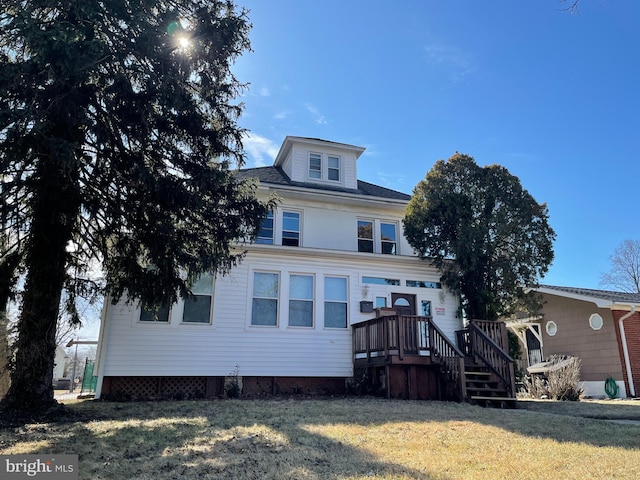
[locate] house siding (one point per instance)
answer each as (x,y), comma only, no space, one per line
(597,349)
(175,349)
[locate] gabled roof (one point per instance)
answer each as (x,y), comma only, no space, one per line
(602,298)
(276,176)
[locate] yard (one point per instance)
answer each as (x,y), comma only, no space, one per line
(353,438)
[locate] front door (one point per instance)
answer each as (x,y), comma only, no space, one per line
(403,303)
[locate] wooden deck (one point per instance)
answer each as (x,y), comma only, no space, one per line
(410,357)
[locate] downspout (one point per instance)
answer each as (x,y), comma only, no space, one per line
(625,349)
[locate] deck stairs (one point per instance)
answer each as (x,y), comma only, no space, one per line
(485,389)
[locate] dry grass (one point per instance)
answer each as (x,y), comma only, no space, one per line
(340,439)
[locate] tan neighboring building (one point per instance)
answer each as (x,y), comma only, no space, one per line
(600,327)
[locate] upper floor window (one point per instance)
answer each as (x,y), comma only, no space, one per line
(301,300)
(315,165)
(197,309)
(265,236)
(365,236)
(291,229)
(333,172)
(388,238)
(375,236)
(264,307)
(324,167)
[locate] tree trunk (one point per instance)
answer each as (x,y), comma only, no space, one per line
(55,209)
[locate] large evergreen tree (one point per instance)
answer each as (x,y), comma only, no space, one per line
(488,236)
(118,139)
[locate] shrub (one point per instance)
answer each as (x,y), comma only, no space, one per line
(232,387)
(562,381)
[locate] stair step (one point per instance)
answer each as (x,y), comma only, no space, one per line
(486,390)
(502,399)
(479,373)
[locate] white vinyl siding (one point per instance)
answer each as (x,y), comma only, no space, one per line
(134,348)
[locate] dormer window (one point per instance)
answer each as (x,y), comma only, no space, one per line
(324,167)
(333,168)
(315,165)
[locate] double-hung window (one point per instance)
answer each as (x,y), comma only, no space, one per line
(333,168)
(335,302)
(315,165)
(301,301)
(197,308)
(265,236)
(291,228)
(388,238)
(365,236)
(324,167)
(158,313)
(264,308)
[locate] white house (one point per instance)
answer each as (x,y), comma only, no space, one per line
(331,252)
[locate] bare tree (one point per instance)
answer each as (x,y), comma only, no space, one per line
(624,274)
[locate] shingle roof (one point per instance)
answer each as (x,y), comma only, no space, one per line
(276,176)
(608,295)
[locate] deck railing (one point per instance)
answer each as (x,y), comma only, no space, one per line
(405,336)
(392,335)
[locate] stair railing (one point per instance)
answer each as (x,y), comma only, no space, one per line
(485,349)
(450,358)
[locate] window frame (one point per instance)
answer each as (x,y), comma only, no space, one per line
(365,239)
(142,310)
(276,298)
(300,300)
(335,301)
(383,242)
(316,169)
(299,231)
(197,295)
(334,169)
(271,215)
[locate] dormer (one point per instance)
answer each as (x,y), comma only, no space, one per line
(311,160)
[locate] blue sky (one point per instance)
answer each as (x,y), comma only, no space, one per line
(552,96)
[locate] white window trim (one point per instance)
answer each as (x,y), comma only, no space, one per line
(377,234)
(322,165)
(211,295)
(551,328)
(278,235)
(596,322)
(250,325)
(324,168)
(346,302)
(313,300)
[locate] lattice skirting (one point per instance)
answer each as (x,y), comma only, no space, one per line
(157,388)
(152,388)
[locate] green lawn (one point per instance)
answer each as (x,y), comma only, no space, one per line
(353,438)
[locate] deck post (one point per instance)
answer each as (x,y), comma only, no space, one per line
(401,336)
